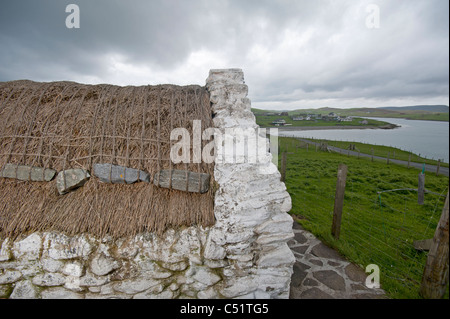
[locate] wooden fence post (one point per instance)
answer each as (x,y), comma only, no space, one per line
(372,154)
(339,201)
(435,275)
(409,160)
(438,167)
(421,189)
(387,162)
(283,167)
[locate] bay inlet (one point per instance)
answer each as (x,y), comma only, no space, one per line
(430,139)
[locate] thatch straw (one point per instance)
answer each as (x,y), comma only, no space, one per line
(63,125)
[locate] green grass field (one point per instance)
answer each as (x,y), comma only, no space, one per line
(377,228)
(383,151)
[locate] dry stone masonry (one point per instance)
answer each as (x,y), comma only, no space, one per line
(244,255)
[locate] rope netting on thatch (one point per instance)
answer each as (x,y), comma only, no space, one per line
(62,125)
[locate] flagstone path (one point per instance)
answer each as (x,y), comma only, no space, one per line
(322,273)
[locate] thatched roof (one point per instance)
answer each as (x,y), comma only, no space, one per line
(62,125)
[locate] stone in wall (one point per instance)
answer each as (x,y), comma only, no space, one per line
(71,179)
(28,173)
(116,174)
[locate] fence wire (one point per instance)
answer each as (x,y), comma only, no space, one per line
(381,218)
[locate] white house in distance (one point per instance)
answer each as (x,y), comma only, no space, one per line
(346,119)
(279,122)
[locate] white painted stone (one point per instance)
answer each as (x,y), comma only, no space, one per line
(128,249)
(274,238)
(28,248)
(24,290)
(216,263)
(74,269)
(209,293)
(60,246)
(30,269)
(5,250)
(92,281)
(280,223)
(214,251)
(173,286)
(238,286)
(206,276)
(73,283)
(179,266)
(134,286)
(10,276)
(51,265)
(94,289)
(107,289)
(49,279)
(241,248)
(102,265)
(281,256)
(150,293)
(287,204)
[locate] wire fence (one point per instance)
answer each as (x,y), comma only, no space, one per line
(385,225)
(382,221)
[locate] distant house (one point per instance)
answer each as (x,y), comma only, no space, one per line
(284,114)
(298,118)
(346,119)
(364,122)
(329,118)
(279,122)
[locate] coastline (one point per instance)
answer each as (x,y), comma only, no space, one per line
(335,127)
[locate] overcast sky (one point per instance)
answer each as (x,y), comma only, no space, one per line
(294,54)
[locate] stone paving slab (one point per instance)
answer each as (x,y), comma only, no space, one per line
(320,272)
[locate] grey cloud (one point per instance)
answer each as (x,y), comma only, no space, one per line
(341,58)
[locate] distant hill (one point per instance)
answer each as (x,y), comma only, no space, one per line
(426,108)
(415,112)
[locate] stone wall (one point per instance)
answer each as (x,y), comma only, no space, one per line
(245,254)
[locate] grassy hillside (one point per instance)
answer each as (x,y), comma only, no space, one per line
(377,228)
(382,151)
(427,108)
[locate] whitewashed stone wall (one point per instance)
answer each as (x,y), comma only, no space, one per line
(244,255)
